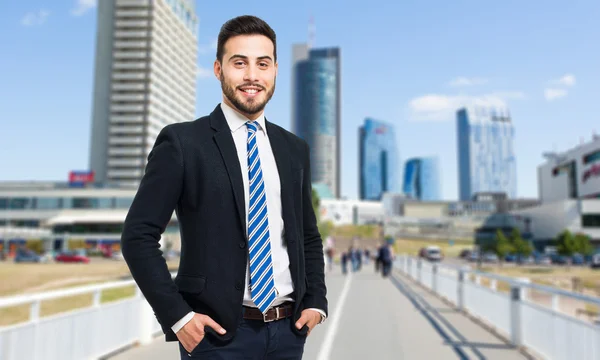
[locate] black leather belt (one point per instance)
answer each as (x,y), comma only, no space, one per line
(273,314)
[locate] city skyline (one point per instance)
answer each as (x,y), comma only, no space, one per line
(449,66)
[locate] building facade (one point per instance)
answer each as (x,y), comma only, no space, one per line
(573,174)
(486,157)
(549,219)
(145,79)
(422,179)
(378,160)
(316,113)
(65,217)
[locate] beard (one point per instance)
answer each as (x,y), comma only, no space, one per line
(246,106)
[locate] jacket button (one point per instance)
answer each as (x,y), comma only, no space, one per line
(238,285)
(242,244)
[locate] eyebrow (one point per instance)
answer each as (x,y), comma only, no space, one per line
(246,58)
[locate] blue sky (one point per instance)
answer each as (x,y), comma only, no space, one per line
(408,63)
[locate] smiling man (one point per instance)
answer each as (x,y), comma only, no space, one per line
(251,278)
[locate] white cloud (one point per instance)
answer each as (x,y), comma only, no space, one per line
(82,7)
(552,94)
(566,80)
(204,72)
(35,18)
(465,81)
(438,107)
(558,89)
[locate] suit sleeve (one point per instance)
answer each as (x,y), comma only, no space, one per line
(148,216)
(316,292)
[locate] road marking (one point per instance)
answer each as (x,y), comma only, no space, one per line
(335,320)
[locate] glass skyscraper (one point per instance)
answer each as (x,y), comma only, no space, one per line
(378,165)
(316,112)
(486,158)
(422,179)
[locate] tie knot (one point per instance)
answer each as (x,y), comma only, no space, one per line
(252,126)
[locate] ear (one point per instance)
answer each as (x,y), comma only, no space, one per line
(276,68)
(217,68)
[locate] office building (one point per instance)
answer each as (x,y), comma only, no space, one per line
(316,113)
(573,174)
(378,160)
(486,158)
(422,179)
(145,79)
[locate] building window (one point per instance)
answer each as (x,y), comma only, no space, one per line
(124,203)
(88,203)
(17,203)
(49,203)
(590,220)
(591,157)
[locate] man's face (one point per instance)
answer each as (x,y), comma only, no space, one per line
(247,73)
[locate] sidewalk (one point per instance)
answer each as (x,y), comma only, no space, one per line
(380,319)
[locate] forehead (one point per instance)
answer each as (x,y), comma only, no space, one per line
(249,45)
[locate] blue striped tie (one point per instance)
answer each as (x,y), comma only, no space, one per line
(261,265)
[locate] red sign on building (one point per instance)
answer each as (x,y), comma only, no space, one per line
(81,177)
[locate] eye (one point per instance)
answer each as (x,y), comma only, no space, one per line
(263,64)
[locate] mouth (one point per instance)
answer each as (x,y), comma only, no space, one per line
(250,91)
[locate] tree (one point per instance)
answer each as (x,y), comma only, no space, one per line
(316,202)
(583,245)
(502,246)
(565,244)
(520,246)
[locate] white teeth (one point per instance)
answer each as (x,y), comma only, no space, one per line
(251,91)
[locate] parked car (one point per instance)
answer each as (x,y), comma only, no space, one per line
(542,259)
(489,257)
(72,256)
(595,264)
(465,254)
(27,255)
(433,253)
(117,255)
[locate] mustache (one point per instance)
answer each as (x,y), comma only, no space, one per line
(253,85)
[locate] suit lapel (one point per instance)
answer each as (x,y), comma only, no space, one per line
(224,141)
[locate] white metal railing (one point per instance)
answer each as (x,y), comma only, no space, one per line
(546,329)
(84,333)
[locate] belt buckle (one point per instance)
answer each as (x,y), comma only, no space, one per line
(276,316)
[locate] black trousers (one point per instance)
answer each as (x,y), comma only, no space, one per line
(254,340)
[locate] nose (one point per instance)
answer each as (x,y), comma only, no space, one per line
(251,73)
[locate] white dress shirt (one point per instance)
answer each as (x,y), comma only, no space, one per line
(281,263)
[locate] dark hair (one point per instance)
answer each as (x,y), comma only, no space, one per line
(244,25)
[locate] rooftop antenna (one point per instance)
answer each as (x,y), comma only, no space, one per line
(311,32)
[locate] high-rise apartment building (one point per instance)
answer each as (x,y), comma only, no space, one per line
(145,79)
(316,115)
(486,157)
(378,160)
(422,179)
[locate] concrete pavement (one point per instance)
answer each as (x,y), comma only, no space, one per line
(376,318)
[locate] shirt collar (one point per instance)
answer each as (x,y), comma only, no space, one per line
(235,120)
